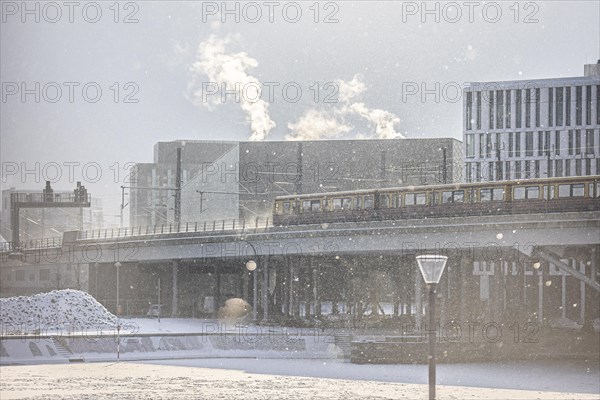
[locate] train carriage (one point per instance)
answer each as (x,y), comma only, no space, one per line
(486,198)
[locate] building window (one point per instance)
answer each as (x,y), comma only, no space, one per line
(588,166)
(491,110)
(478,110)
(598,104)
(511,148)
(557,143)
(568,106)
(491,171)
(578,167)
(527,108)
(478,172)
(481,145)
(558,167)
(559,106)
(468,172)
(518,110)
(499,109)
(550,106)
(537,108)
(540,144)
(517,169)
(508,110)
(499,172)
(507,170)
(589,141)
(470,145)
(549,168)
(469,111)
(518,144)
(488,145)
(588,105)
(537,168)
(571,142)
(527,169)
(567,167)
(528,144)
(577,141)
(578,105)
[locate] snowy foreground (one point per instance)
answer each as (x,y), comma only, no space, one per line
(127,380)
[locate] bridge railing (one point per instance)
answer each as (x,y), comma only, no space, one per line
(32,244)
(192,227)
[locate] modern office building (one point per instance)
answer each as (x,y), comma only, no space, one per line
(532,129)
(239,180)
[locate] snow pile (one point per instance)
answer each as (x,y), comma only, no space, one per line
(59,310)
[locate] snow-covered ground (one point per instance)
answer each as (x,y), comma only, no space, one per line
(126,381)
(557,376)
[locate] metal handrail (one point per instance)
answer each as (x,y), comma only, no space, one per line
(184,227)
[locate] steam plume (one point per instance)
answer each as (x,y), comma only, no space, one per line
(229,70)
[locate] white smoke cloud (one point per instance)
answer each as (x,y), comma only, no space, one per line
(318,124)
(315,125)
(347,90)
(383,121)
(214,64)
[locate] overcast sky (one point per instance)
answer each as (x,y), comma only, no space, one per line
(376,51)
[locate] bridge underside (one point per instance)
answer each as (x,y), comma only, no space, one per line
(504,286)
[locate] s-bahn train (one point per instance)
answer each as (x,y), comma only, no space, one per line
(449,200)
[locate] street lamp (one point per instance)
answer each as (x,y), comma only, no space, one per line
(251,266)
(118,265)
(432,267)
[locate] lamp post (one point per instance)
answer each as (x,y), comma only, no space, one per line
(432,267)
(251,266)
(118,265)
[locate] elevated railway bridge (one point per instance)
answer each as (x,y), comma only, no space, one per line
(539,267)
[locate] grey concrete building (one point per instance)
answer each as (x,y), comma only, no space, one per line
(532,129)
(239,180)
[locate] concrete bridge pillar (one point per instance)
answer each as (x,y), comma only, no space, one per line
(174,302)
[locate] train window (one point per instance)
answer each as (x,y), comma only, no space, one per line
(597,189)
(286,207)
(337,204)
(455,196)
(327,205)
(529,192)
(519,193)
(532,192)
(575,190)
(315,205)
(306,206)
(368,202)
(394,200)
(412,199)
(357,203)
(384,200)
(346,203)
(296,207)
(486,195)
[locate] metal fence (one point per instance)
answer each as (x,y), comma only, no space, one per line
(165,229)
